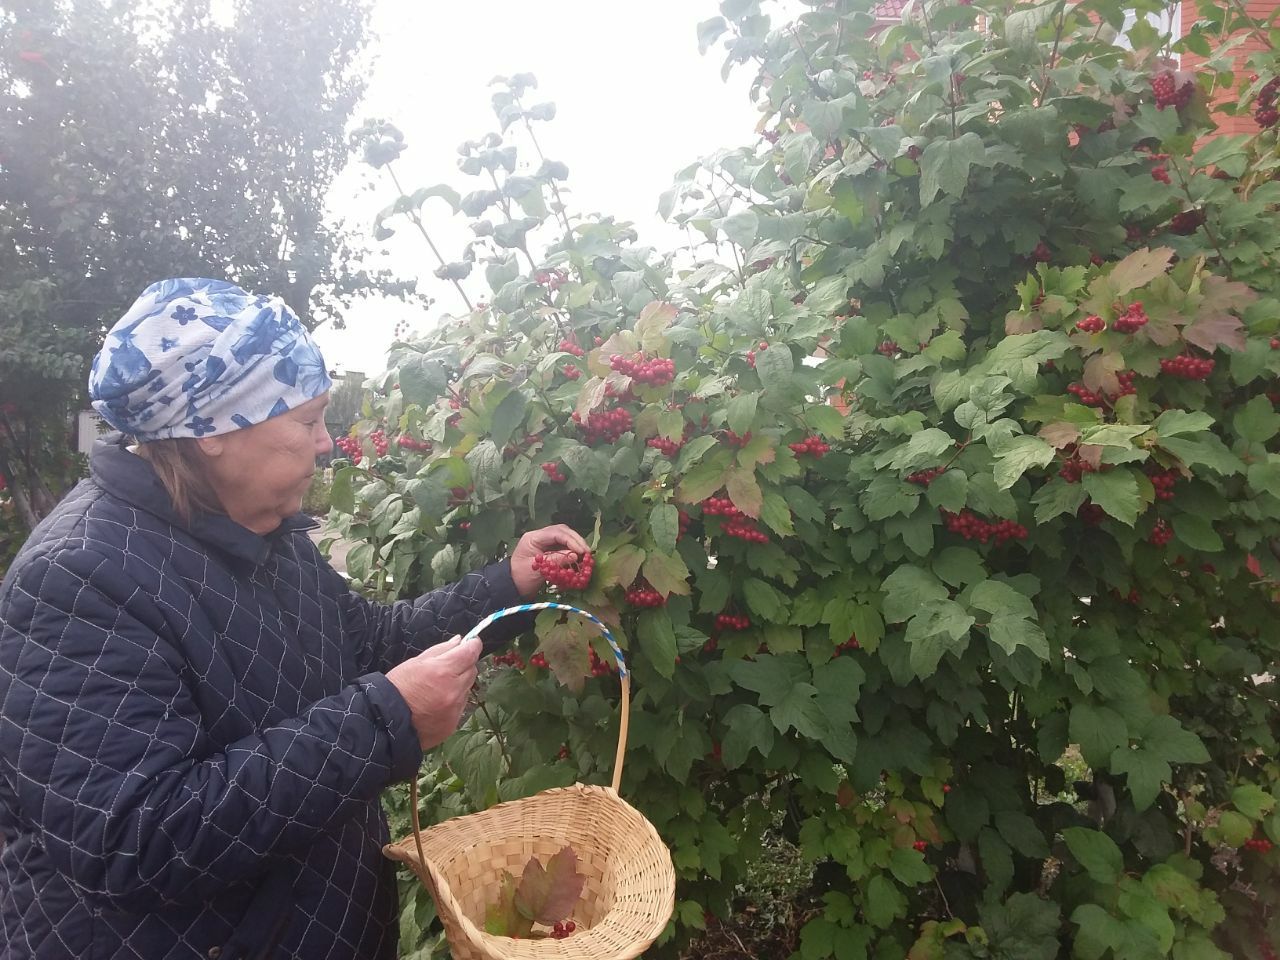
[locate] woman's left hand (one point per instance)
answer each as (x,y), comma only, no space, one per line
(556,539)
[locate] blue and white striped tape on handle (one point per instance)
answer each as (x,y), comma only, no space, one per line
(547,605)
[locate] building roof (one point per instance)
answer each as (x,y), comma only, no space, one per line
(889,9)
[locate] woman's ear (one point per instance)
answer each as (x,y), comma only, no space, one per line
(212,446)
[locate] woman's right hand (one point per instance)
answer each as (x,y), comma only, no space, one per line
(435,685)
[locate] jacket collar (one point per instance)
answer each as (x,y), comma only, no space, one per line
(128,477)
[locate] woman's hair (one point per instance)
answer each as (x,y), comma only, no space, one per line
(179,464)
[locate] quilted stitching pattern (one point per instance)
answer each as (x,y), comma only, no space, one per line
(183,716)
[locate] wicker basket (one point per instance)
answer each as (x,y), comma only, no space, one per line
(629,894)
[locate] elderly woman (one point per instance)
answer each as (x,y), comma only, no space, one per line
(197,716)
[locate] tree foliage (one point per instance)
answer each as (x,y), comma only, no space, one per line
(967,473)
(140,141)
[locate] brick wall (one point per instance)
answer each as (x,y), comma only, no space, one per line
(1260,9)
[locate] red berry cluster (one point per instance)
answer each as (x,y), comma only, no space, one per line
(563,753)
(850,644)
(888,349)
(1042,253)
(351,447)
(720,507)
(745,529)
(552,470)
(1187,222)
(751,354)
(562,930)
(564,573)
(925,477)
(604,425)
(409,443)
(1261,844)
(656,371)
(685,522)
(972,527)
(1160,172)
(1264,108)
(1133,318)
(1091,399)
(599,668)
(1091,513)
(814,446)
(1169,93)
(568,346)
(1186,367)
(511,659)
(920,846)
(1093,324)
(379,440)
(1163,481)
(1161,534)
(551,279)
(1075,468)
(570,371)
(669,448)
(736,439)
(538,661)
(1275,343)
(640,594)
(732,621)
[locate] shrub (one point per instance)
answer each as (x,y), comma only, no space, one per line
(961,473)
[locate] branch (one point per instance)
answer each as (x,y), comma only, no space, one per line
(417,222)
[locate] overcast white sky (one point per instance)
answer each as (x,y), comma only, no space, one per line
(635,102)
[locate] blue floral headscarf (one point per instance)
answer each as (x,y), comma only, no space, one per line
(196,357)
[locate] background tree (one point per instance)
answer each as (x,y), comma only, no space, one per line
(142,141)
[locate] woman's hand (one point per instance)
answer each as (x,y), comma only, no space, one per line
(557,539)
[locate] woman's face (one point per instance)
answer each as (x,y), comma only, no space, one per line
(261,473)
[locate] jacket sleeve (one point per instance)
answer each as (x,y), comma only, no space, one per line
(386,634)
(102,742)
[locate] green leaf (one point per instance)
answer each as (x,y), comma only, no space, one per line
(763,600)
(702,481)
(997,860)
(882,902)
(999,598)
(1170,740)
(907,589)
(1098,731)
(945,164)
(747,728)
(664,526)
(1022,834)
(667,573)
(775,368)
(909,867)
(507,417)
(1235,828)
(742,228)
(658,640)
(590,468)
(1010,632)
(1251,800)
(776,514)
(1112,434)
(1257,421)
(1197,532)
(1145,772)
(1173,423)
(741,411)
(1018,456)
(771,677)
(1056,498)
(923,448)
(940,626)
(740,483)
(485,461)
(360,562)
(1096,852)
(826,420)
(958,566)
(1116,492)
(799,709)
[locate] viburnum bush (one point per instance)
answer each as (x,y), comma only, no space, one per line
(945,465)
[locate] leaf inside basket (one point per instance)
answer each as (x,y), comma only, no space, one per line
(544,895)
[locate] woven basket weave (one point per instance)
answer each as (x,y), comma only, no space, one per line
(629,893)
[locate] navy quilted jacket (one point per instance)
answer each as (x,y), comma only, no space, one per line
(194,731)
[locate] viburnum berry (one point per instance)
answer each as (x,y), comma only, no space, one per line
(814,446)
(733,621)
(1091,513)
(1074,468)
(1187,222)
(920,846)
(552,470)
(568,346)
(736,439)
(570,371)
(563,572)
(850,644)
(1275,343)
(351,447)
(888,349)
(655,372)
(563,753)
(599,667)
(972,527)
(1089,398)
(562,930)
(1260,844)
(685,522)
(1042,253)
(538,661)
(604,425)
(1265,113)
(406,442)
(925,477)
(720,507)
(510,659)
(669,448)
(1133,319)
(1161,533)
(640,594)
(1091,324)
(1169,91)
(744,528)
(1187,367)
(1161,173)
(1163,481)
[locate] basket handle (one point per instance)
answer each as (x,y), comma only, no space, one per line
(623,675)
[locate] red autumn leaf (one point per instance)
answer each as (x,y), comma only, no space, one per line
(1060,434)
(549,895)
(1100,373)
